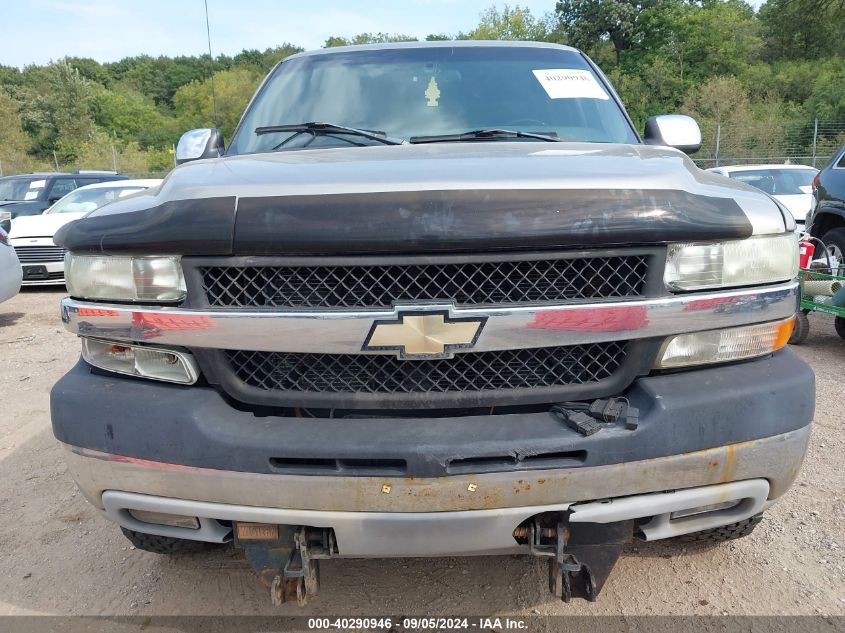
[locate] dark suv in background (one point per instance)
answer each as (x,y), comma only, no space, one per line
(827,217)
(30,194)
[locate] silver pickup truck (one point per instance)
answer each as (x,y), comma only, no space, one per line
(434,299)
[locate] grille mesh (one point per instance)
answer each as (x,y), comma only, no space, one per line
(39,254)
(471,371)
(475,283)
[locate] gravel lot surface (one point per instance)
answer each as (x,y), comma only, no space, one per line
(58,556)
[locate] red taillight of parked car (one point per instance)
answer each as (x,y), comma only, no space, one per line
(815,182)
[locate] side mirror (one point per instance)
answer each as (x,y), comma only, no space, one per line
(199,143)
(674,130)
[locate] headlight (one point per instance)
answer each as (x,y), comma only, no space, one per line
(123,278)
(756,260)
(143,361)
(720,346)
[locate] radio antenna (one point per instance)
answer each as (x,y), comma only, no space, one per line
(211,65)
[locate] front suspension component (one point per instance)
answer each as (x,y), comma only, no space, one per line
(581,555)
(289,563)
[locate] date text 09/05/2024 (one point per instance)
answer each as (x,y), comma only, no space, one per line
(419,623)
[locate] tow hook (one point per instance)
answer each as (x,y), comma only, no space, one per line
(581,555)
(289,563)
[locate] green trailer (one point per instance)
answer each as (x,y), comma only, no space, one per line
(812,302)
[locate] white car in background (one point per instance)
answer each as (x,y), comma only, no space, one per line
(32,236)
(792,185)
(10,269)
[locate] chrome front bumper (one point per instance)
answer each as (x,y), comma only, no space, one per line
(344,332)
(490,504)
(468,532)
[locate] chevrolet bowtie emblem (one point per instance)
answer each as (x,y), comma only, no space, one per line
(422,335)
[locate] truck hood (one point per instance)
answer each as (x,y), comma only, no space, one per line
(799,204)
(41,225)
(428,198)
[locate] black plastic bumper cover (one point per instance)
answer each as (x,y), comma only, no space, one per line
(679,413)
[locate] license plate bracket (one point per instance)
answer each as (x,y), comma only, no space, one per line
(31,273)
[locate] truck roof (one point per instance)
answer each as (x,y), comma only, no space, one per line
(435,44)
(64,174)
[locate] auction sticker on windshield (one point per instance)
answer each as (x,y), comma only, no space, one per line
(570,83)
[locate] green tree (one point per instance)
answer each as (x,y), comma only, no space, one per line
(722,108)
(56,109)
(90,69)
(511,23)
(263,61)
(803,29)
(127,115)
(195,106)
(14,142)
(10,76)
(368,38)
(159,78)
(334,40)
(585,22)
(827,100)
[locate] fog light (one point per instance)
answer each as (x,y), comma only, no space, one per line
(720,346)
(136,360)
(162,518)
(713,507)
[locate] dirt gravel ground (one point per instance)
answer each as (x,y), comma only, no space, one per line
(58,556)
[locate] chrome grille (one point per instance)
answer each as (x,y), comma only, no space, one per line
(466,372)
(548,280)
(39,254)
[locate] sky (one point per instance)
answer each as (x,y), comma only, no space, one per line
(38,31)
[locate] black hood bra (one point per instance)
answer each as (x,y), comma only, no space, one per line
(416,221)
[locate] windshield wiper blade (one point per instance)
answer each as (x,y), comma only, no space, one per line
(318,127)
(475,135)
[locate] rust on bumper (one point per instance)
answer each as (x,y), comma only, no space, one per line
(776,459)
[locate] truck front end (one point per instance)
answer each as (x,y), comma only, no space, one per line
(460,346)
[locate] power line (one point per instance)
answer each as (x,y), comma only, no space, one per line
(211,65)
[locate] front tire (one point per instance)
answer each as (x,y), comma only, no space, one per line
(839,324)
(834,240)
(166,545)
(802,328)
(724,533)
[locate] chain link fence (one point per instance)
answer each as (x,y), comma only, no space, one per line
(811,142)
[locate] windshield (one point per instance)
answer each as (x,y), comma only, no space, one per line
(21,188)
(411,92)
(778,182)
(84,200)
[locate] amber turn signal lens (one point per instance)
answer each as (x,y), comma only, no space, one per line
(784,332)
(722,346)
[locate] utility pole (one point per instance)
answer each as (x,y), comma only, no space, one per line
(718,141)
